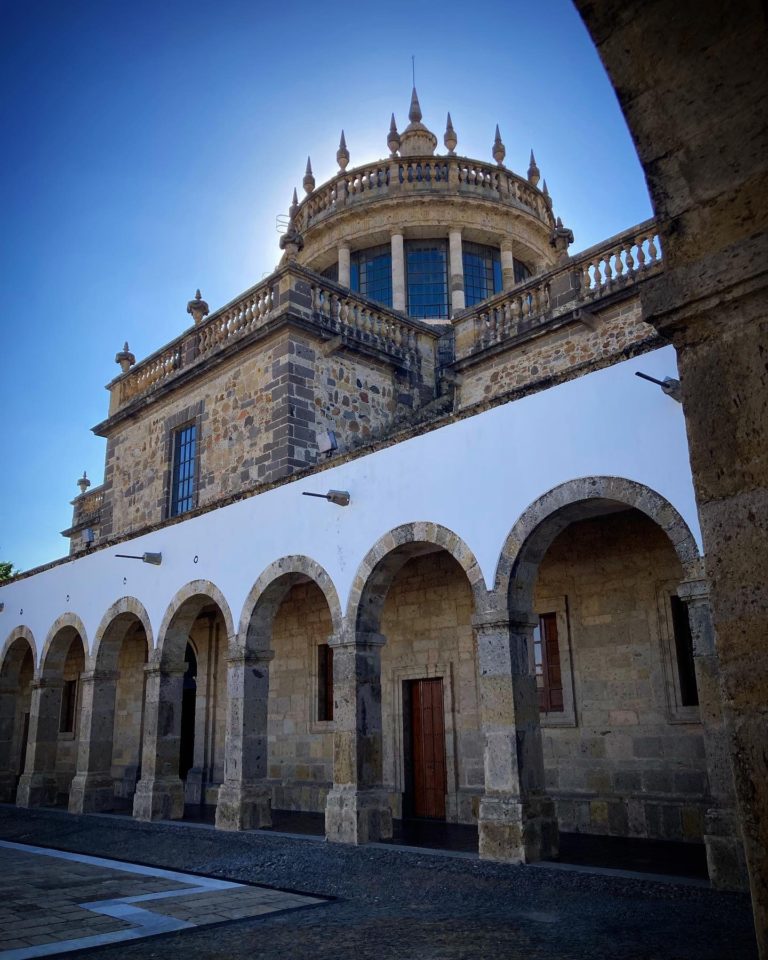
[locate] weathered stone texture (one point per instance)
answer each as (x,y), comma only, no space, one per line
(300,747)
(566,351)
(619,764)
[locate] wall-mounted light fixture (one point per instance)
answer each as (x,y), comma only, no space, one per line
(2,607)
(339,497)
(154,558)
(326,442)
(88,536)
(670,385)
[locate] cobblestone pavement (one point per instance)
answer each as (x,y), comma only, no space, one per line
(395,904)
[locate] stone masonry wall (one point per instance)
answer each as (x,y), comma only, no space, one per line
(300,746)
(129,703)
(257,418)
(626,762)
(620,329)
(427,622)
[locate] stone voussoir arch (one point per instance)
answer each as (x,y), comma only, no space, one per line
(269,591)
(121,607)
(60,623)
(389,553)
(548,515)
(202,589)
(20,632)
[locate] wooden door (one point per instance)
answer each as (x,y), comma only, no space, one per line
(428,748)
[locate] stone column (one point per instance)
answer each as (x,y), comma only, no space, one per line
(398,272)
(507,265)
(458,300)
(160,792)
(357,809)
(245,799)
(517,821)
(37,785)
(93,788)
(722,836)
(344,268)
(8,708)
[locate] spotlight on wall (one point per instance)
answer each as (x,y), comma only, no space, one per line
(339,497)
(326,442)
(670,385)
(154,558)
(2,607)
(88,536)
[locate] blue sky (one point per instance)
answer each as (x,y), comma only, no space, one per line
(149,147)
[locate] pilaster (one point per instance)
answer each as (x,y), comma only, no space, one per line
(458,299)
(37,785)
(93,788)
(160,792)
(398,272)
(344,266)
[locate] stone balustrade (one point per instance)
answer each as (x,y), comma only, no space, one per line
(411,176)
(88,506)
(332,308)
(578,282)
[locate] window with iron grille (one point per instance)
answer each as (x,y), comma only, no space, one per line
(324,682)
(68,705)
(546,657)
(370,273)
(426,264)
(482,272)
(184,464)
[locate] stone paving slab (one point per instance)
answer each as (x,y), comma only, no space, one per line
(57,902)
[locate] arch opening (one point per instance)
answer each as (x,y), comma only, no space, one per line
(16,674)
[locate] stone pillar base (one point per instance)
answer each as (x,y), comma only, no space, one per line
(91,793)
(726,864)
(357,816)
(517,832)
(36,790)
(243,806)
(159,800)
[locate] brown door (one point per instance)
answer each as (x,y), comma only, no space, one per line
(428,749)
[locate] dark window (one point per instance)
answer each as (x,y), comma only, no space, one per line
(370,273)
(426,264)
(324,682)
(332,272)
(183,479)
(482,272)
(686,674)
(521,271)
(546,655)
(68,706)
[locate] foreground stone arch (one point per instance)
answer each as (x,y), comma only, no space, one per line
(17,668)
(54,648)
(578,499)
(390,553)
(245,796)
(171,718)
(125,630)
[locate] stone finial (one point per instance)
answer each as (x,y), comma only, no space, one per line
(294,205)
(125,358)
(449,138)
(309,180)
(342,154)
(393,138)
(414,114)
(533,171)
(499,150)
(547,198)
(561,239)
(416,140)
(197,308)
(83,483)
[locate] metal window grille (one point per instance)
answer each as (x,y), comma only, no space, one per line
(184,460)
(427,278)
(371,274)
(482,272)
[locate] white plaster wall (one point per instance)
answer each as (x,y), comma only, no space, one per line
(475,477)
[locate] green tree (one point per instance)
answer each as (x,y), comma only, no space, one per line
(6,570)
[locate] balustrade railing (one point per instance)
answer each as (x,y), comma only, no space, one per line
(580,281)
(88,505)
(401,175)
(339,311)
